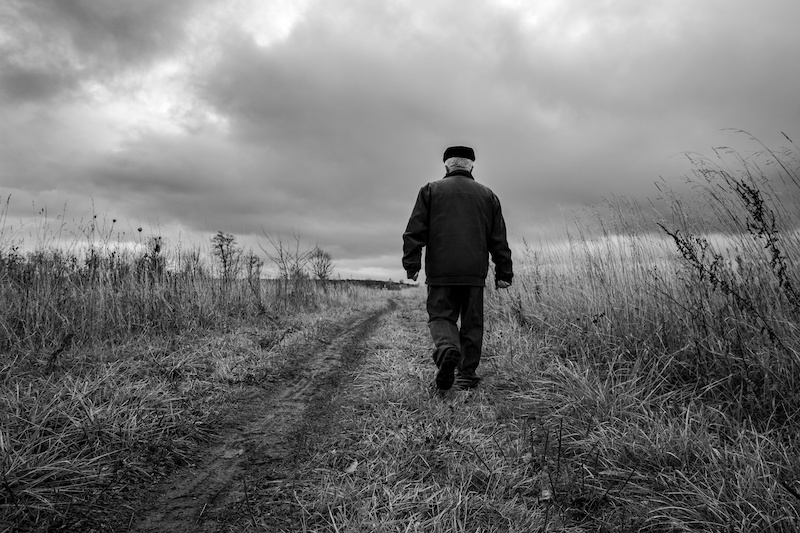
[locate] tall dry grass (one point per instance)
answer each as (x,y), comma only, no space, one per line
(659,353)
(116,359)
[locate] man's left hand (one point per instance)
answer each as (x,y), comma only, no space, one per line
(500,284)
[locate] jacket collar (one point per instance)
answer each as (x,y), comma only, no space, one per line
(459,172)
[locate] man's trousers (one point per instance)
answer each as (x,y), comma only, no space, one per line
(446,304)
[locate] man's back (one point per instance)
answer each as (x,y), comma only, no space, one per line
(461,223)
(462,216)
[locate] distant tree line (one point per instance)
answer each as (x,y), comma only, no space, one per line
(292,261)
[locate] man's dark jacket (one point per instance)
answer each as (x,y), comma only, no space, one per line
(461,223)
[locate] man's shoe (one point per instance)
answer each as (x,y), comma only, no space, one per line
(445,376)
(467,382)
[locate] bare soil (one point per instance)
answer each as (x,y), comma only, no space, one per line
(244,481)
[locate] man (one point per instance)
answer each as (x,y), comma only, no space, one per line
(461,224)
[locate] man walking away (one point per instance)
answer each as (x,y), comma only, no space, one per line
(460,222)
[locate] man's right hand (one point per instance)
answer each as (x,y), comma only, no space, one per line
(500,284)
(412,275)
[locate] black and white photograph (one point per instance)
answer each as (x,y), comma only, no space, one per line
(394,266)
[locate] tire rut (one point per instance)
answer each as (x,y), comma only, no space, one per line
(260,447)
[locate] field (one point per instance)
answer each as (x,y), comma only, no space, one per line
(639,375)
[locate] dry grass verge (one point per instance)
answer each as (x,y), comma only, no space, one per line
(113,371)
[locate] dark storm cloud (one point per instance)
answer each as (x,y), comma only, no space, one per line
(21,84)
(54,44)
(192,181)
(120,33)
(621,105)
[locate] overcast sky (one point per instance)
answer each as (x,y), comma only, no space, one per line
(324,117)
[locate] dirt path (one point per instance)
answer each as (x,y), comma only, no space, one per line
(244,481)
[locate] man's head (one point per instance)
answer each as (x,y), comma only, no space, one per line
(459,158)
